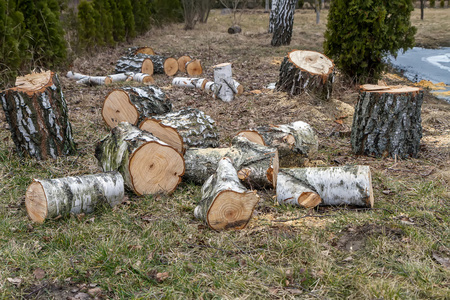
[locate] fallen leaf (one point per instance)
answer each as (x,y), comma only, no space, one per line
(386,192)
(255,92)
(339,121)
(444,261)
(160,277)
(94,291)
(273,291)
(15,281)
(134,247)
(39,273)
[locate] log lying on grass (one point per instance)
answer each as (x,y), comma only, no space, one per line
(194,67)
(140,63)
(105,80)
(188,126)
(182,62)
(140,50)
(133,104)
(47,199)
(298,137)
(225,203)
(293,191)
(148,165)
(387,121)
(257,165)
(204,84)
(37,114)
(307,72)
(348,185)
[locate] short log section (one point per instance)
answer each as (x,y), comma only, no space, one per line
(48,199)
(223,78)
(140,50)
(348,185)
(226,203)
(293,191)
(307,72)
(37,114)
(133,104)
(189,126)
(194,67)
(163,65)
(182,62)
(387,121)
(148,165)
(140,63)
(298,137)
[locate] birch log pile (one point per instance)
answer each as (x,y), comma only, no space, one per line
(194,67)
(133,104)
(37,114)
(387,121)
(140,63)
(348,185)
(298,137)
(162,64)
(307,72)
(182,62)
(189,126)
(51,198)
(257,165)
(148,165)
(139,50)
(225,203)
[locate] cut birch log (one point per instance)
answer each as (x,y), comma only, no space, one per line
(148,165)
(133,104)
(347,185)
(37,114)
(47,199)
(204,84)
(140,63)
(188,126)
(234,29)
(143,78)
(105,80)
(163,65)
(293,191)
(257,165)
(307,72)
(139,50)
(225,203)
(223,78)
(298,137)
(387,121)
(182,62)
(194,67)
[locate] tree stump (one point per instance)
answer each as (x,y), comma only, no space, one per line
(188,126)
(133,104)
(37,114)
(194,67)
(47,199)
(139,50)
(257,165)
(298,137)
(293,191)
(182,62)
(387,121)
(140,63)
(283,23)
(348,185)
(148,165)
(307,72)
(225,203)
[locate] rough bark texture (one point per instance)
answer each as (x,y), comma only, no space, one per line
(195,128)
(307,72)
(273,15)
(284,23)
(387,121)
(47,199)
(148,165)
(298,137)
(348,185)
(257,165)
(37,114)
(142,50)
(295,192)
(133,104)
(140,63)
(204,84)
(225,203)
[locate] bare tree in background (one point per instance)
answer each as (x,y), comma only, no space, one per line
(195,11)
(233,5)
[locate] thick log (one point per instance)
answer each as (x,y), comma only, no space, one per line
(139,50)
(387,121)
(37,114)
(234,29)
(225,203)
(283,23)
(293,191)
(307,72)
(148,165)
(133,104)
(257,165)
(223,78)
(47,199)
(189,126)
(163,65)
(348,185)
(298,137)
(204,84)
(194,67)
(182,62)
(140,63)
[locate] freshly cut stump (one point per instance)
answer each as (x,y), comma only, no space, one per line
(140,63)
(47,199)
(307,72)
(182,62)
(37,114)
(188,126)
(133,104)
(194,67)
(225,203)
(257,165)
(387,121)
(294,192)
(348,185)
(140,50)
(148,165)
(298,137)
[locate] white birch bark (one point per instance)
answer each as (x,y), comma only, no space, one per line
(295,192)
(223,78)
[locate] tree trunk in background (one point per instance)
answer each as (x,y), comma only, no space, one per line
(37,114)
(273,15)
(284,23)
(422,7)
